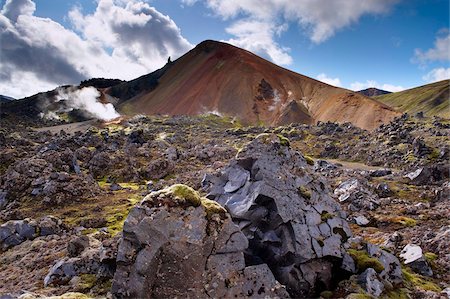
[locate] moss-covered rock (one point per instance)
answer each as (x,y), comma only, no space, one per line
(364,261)
(178,194)
(212,207)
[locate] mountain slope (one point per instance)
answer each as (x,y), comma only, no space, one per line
(432,99)
(218,77)
(373,92)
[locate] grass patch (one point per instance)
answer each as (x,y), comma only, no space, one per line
(414,280)
(405,221)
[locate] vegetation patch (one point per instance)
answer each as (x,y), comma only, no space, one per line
(414,280)
(304,192)
(309,160)
(212,207)
(406,221)
(364,261)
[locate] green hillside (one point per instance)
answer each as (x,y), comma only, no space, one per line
(432,99)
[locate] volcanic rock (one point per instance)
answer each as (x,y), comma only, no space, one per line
(177,244)
(414,258)
(14,232)
(285,212)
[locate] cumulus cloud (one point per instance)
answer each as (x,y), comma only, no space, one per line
(121,39)
(437,74)
(258,37)
(440,51)
(357,86)
(332,81)
(321,19)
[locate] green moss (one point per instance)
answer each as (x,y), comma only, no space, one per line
(117,214)
(434,154)
(87,281)
(400,293)
(326,294)
(325,216)
(406,221)
(417,281)
(364,261)
(309,160)
(212,207)
(283,140)
(132,186)
(304,192)
(359,296)
(71,295)
(430,256)
(184,194)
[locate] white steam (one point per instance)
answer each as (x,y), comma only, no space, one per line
(85,99)
(49,115)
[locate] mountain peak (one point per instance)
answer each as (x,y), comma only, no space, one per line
(219,77)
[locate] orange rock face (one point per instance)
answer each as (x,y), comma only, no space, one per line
(223,79)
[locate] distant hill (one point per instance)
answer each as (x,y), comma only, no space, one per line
(432,99)
(4,99)
(373,92)
(220,78)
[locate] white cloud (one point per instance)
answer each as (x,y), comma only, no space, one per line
(357,86)
(321,19)
(258,37)
(440,51)
(121,39)
(437,74)
(332,81)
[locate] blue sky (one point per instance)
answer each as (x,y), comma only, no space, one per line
(390,44)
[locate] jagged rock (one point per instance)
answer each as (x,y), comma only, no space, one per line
(442,193)
(414,258)
(357,194)
(158,169)
(371,283)
(77,246)
(380,173)
(14,232)
(420,149)
(428,175)
(383,190)
(42,179)
(322,165)
(361,220)
(176,244)
(115,187)
(3,200)
(285,212)
(392,271)
(85,262)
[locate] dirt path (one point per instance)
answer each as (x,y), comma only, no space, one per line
(355,165)
(69,128)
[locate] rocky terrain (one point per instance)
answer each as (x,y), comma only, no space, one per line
(202,206)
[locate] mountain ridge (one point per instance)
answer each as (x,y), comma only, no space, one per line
(216,76)
(432,99)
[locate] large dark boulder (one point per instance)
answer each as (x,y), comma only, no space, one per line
(177,244)
(286,212)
